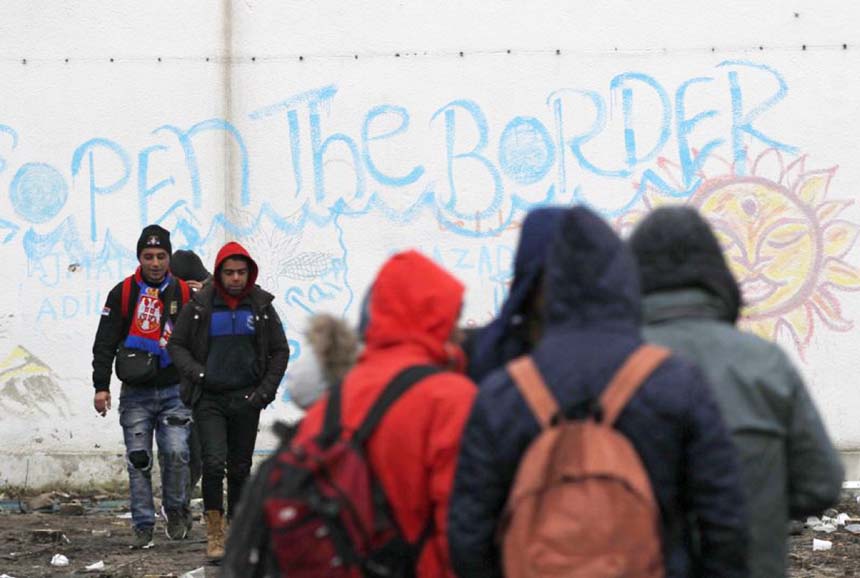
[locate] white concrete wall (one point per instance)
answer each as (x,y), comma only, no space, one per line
(326,135)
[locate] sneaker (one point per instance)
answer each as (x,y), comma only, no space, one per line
(176,526)
(142,539)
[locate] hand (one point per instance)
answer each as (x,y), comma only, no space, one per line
(255,400)
(194,285)
(102,402)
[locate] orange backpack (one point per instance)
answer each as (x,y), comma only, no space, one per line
(582,505)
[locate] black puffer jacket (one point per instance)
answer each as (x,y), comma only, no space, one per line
(592,325)
(189,344)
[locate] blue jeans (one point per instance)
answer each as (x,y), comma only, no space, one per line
(142,411)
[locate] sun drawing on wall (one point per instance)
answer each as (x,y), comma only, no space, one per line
(783,240)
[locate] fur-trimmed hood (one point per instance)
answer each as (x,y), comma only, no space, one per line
(332,348)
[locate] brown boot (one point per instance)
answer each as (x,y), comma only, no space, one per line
(214,534)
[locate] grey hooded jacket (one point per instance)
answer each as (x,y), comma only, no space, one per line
(789,466)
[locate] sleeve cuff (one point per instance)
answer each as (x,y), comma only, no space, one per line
(102,387)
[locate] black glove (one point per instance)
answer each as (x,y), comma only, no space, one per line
(256,400)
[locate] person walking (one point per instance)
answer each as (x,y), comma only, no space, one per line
(413,313)
(187,265)
(691,303)
(231,351)
(135,325)
(591,328)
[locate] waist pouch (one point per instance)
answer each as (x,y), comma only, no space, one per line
(135,366)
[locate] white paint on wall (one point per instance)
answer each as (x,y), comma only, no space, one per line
(327,135)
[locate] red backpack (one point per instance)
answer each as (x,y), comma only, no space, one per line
(326,513)
(581,505)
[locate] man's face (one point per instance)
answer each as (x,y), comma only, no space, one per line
(234,275)
(154,264)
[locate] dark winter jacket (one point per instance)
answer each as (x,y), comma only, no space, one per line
(113,329)
(507,336)
(788,465)
(230,363)
(592,314)
(190,342)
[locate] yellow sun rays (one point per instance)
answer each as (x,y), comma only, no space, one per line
(788,236)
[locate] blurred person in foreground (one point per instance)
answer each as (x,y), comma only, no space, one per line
(591,328)
(411,348)
(691,303)
(519,325)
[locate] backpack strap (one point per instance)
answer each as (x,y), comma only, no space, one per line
(185,291)
(331,429)
(639,365)
(126,296)
(528,380)
(397,387)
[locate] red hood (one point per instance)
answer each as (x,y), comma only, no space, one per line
(414,300)
(233,249)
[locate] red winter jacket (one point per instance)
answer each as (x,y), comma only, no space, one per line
(413,311)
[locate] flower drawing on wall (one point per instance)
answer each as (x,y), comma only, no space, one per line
(279,252)
(784,241)
(304,264)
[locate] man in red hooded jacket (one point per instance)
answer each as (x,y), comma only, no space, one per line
(414,309)
(231,352)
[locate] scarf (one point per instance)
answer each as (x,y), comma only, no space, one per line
(147,331)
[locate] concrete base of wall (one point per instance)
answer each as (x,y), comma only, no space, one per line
(71,471)
(61,469)
(851,460)
(50,470)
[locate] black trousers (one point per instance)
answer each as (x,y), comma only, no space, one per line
(227,427)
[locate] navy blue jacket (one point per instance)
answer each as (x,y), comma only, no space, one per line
(593,316)
(506,337)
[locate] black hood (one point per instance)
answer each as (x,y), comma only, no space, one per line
(590,274)
(504,338)
(676,249)
(188,266)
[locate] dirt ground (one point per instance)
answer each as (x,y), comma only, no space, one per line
(843,559)
(94,536)
(100,534)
